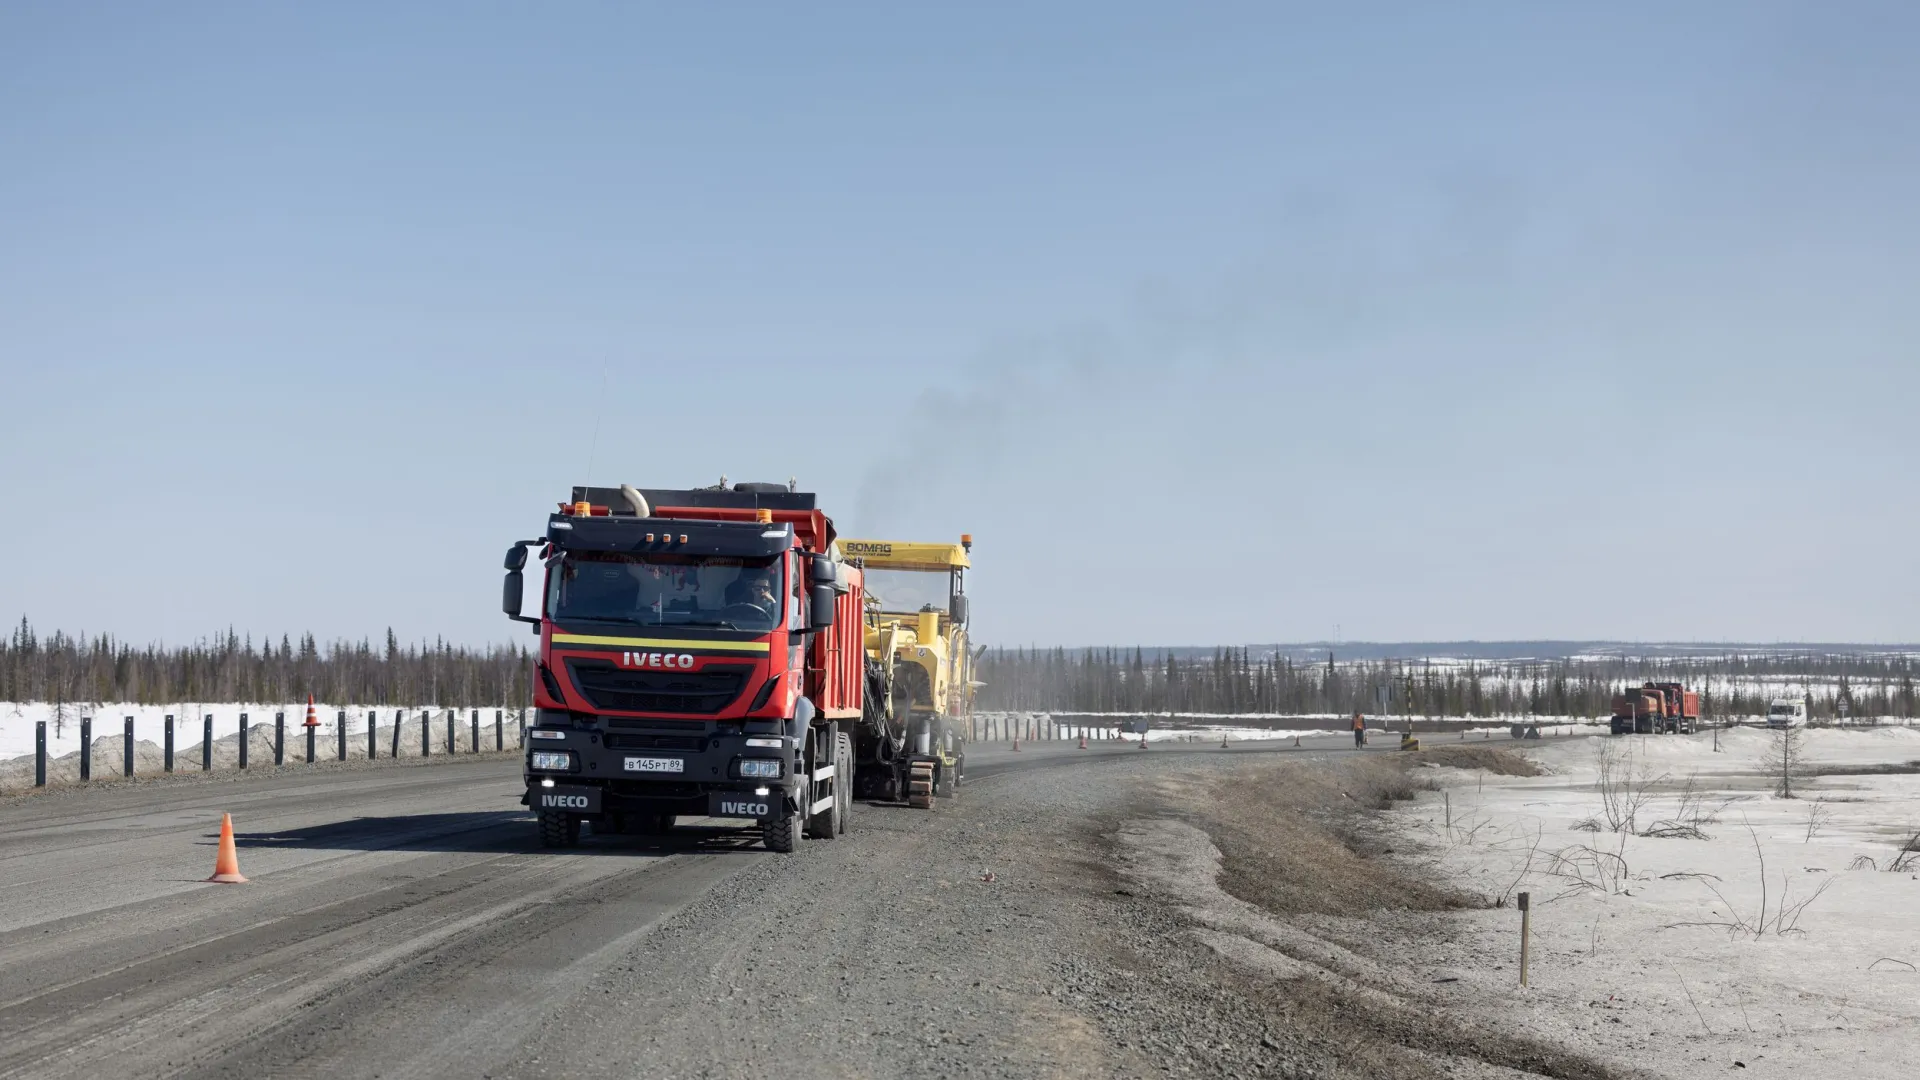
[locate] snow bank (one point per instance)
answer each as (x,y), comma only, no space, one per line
(1645,948)
(18,724)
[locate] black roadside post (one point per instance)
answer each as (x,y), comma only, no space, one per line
(475,748)
(398,715)
(523,729)
(127,749)
(168,766)
(499,730)
(313,730)
(373,735)
(39,753)
(279,739)
(340,734)
(426,733)
(86,748)
(206,743)
(453,746)
(246,737)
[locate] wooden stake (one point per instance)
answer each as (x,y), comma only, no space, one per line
(1526,927)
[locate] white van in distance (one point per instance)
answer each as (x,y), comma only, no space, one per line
(1787,712)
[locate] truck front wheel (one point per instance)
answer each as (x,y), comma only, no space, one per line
(782,835)
(558,829)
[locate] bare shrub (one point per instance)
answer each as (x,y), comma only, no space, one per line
(1908,857)
(1589,866)
(1624,786)
(1533,852)
(1778,917)
(1692,812)
(1817,816)
(1782,760)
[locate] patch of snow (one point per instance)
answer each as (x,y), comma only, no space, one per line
(1638,952)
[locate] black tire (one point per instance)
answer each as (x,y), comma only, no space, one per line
(782,835)
(558,830)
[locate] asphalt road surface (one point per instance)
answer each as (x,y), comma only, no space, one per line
(403,923)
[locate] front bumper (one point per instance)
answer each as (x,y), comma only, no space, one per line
(629,776)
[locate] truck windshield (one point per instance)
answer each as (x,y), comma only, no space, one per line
(906,590)
(1781,710)
(666,590)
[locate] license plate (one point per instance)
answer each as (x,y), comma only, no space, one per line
(656,764)
(741,805)
(573,800)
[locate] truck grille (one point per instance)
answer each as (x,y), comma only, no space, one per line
(653,742)
(606,686)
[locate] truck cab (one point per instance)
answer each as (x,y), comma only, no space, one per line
(700,656)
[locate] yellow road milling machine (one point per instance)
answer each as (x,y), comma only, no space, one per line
(919,669)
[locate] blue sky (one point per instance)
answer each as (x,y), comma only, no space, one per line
(1211,322)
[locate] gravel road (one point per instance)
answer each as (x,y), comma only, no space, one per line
(399,923)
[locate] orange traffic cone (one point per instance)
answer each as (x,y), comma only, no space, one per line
(1016,742)
(1083,742)
(226,865)
(312,720)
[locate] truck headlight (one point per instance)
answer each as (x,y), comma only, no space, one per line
(768,768)
(553,761)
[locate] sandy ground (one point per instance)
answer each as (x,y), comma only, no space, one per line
(1675,954)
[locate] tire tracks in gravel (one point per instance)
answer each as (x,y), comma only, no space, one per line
(187,1009)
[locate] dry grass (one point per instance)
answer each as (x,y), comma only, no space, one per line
(1296,841)
(1485,758)
(1295,837)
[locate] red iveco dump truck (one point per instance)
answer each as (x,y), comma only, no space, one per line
(701,655)
(1656,708)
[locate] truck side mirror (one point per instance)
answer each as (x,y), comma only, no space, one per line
(517,560)
(820,570)
(822,603)
(957,609)
(512,593)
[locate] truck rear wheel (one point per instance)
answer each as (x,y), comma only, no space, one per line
(558,829)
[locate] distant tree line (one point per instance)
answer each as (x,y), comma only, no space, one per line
(1237,680)
(63,669)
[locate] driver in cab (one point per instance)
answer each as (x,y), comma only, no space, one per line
(755,587)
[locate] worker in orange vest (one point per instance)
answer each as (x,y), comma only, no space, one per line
(1359,731)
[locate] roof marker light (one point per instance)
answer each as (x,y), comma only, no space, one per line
(764,517)
(683,538)
(649,538)
(582,509)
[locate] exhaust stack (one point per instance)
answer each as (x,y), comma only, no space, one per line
(636,500)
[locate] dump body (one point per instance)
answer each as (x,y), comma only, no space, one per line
(701,654)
